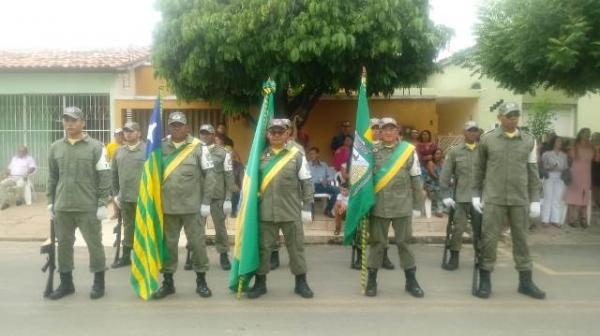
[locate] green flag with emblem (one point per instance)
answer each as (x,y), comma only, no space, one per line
(362,195)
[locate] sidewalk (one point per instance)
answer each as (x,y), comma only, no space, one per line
(30,223)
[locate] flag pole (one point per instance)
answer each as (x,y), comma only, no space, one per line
(363,233)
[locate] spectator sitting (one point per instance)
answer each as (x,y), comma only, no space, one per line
(425,148)
(554,162)
(343,175)
(322,179)
(21,166)
(342,154)
(341,204)
(338,140)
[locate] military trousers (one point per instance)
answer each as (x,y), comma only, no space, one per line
(90,227)
(293,234)
(218,218)
(193,227)
(462,213)
(378,236)
(495,217)
(128,217)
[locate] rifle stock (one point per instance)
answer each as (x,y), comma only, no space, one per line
(117,231)
(475,219)
(49,248)
(449,228)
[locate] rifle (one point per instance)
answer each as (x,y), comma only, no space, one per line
(449,229)
(49,248)
(475,219)
(356,260)
(117,231)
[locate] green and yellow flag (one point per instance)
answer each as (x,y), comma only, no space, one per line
(148,244)
(245,255)
(362,194)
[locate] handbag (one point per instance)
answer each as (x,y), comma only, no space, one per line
(565,175)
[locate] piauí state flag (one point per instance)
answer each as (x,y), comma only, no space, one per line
(245,254)
(362,195)
(148,243)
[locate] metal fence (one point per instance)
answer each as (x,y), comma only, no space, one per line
(36,122)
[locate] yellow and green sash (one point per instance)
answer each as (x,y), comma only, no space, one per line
(274,166)
(173,160)
(390,168)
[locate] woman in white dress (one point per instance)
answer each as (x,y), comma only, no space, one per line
(554,163)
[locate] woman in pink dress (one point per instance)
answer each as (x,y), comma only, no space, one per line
(342,154)
(579,191)
(425,148)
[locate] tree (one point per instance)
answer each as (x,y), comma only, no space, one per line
(525,44)
(222,50)
(540,119)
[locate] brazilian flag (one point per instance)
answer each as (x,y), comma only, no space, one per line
(148,243)
(245,255)
(362,194)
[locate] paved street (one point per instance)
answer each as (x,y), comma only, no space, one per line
(569,273)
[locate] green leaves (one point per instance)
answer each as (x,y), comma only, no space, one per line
(525,44)
(221,50)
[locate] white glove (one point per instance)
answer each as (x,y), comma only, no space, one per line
(477,204)
(416,213)
(534,209)
(306,217)
(117,201)
(449,202)
(102,213)
(51,211)
(227,207)
(205,210)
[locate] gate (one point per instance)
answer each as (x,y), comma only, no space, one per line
(35,120)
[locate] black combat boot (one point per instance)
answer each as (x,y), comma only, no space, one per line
(412,286)
(259,288)
(224,260)
(167,288)
(274,259)
(125,259)
(302,288)
(527,287)
(98,286)
(452,264)
(485,285)
(371,289)
(387,263)
(201,286)
(188,259)
(65,288)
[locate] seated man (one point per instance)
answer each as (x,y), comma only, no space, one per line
(341,204)
(322,179)
(20,167)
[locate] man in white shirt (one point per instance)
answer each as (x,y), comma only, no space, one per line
(21,166)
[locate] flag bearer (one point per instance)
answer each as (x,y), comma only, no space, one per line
(182,193)
(127,167)
(218,170)
(459,167)
(397,185)
(78,191)
(507,182)
(286,194)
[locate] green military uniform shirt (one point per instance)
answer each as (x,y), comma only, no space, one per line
(218,170)
(79,175)
(506,172)
(182,191)
(459,164)
(397,197)
(127,166)
(290,191)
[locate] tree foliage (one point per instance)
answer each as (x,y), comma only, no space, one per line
(525,44)
(222,50)
(540,119)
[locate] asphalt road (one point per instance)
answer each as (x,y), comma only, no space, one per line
(569,273)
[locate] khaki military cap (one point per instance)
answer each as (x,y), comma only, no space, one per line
(73,112)
(207,128)
(509,107)
(279,123)
(375,122)
(470,125)
(177,117)
(388,121)
(131,126)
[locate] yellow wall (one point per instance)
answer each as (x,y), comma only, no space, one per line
(454,113)
(145,82)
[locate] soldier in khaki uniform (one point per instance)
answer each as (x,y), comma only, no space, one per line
(182,194)
(396,192)
(78,191)
(456,186)
(285,203)
(506,177)
(127,167)
(218,170)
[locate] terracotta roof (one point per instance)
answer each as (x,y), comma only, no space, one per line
(78,60)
